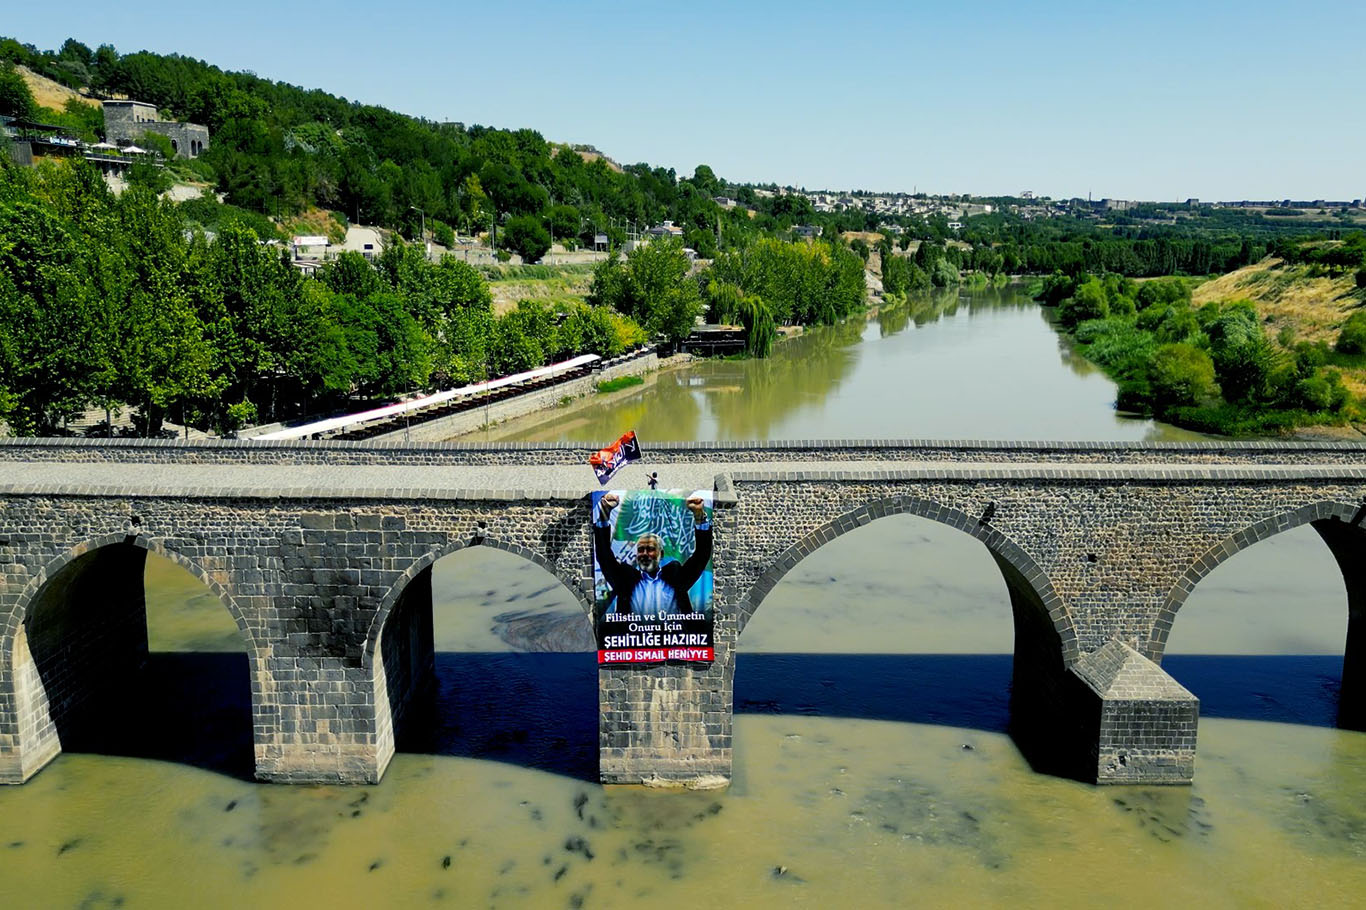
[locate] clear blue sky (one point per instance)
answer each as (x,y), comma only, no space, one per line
(1156,100)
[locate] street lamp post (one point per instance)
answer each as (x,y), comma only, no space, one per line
(423,235)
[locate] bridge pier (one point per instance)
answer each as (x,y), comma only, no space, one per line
(1347,542)
(1138,724)
(667,726)
(317,723)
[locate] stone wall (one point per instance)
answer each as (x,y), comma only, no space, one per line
(127,121)
(189,140)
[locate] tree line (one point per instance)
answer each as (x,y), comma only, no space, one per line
(107,301)
(278,149)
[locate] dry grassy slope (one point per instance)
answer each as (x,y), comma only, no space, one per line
(590,157)
(506,293)
(317,221)
(1313,307)
(51,94)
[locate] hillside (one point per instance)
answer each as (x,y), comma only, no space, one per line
(48,93)
(1297,303)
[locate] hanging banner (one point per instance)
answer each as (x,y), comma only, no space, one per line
(608,461)
(652,576)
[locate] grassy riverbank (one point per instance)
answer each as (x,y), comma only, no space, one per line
(1260,351)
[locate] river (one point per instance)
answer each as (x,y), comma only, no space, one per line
(870,759)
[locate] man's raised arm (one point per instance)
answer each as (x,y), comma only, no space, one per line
(701,553)
(617,575)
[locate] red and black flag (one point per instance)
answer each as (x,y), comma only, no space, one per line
(608,461)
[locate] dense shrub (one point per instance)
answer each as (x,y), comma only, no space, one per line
(1181,374)
(1242,355)
(1352,338)
(526,236)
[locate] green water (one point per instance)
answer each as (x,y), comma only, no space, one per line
(870,765)
(952,365)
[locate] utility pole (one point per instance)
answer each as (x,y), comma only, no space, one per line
(423,232)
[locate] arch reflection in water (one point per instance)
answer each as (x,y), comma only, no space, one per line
(119,673)
(487,655)
(904,619)
(1261,637)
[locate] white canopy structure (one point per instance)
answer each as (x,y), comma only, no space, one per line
(351,421)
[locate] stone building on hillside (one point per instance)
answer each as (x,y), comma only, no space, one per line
(126,121)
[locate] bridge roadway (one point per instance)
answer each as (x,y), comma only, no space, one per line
(322,554)
(560,481)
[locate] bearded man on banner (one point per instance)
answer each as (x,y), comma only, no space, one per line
(650,588)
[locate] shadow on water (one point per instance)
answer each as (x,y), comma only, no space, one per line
(955,690)
(536,710)
(192,708)
(540,710)
(973,690)
(1287,689)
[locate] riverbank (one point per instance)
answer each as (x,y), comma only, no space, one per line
(1215,364)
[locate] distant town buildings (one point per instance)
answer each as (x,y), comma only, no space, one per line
(667,229)
(955,208)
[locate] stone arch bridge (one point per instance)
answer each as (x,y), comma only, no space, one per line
(321,552)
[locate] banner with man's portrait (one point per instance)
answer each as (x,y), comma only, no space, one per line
(652,576)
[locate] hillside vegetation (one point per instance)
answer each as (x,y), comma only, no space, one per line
(1268,348)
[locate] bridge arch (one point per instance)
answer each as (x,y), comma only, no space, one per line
(423,563)
(1024,577)
(19,612)
(1339,525)
(1041,690)
(400,657)
(1322,515)
(63,656)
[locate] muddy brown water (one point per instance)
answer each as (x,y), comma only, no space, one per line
(871,693)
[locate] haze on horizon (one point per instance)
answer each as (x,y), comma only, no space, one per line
(1165,102)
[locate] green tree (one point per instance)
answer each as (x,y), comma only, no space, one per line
(161,356)
(1242,355)
(1089,301)
(15,98)
(1352,338)
(51,345)
(652,286)
(564,222)
(1181,374)
(526,236)
(760,330)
